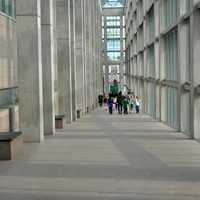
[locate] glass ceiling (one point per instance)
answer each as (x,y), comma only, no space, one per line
(113,3)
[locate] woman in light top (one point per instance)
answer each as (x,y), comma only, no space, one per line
(137,104)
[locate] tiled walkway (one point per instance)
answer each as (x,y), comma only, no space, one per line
(104,157)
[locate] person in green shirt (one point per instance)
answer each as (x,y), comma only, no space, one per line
(125,104)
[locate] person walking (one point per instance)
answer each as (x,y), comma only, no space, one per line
(137,105)
(125,103)
(110,104)
(119,102)
(115,103)
(105,102)
(132,104)
(100,100)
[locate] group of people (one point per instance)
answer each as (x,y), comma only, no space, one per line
(124,104)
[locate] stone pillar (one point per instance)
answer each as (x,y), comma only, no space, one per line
(98,38)
(56,104)
(106,80)
(73,58)
(79,55)
(98,47)
(87,53)
(85,50)
(93,9)
(48,55)
(195,32)
(121,69)
(64,61)
(90,54)
(30,69)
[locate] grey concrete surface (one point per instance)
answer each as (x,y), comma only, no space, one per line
(102,157)
(48,61)
(30,82)
(63,28)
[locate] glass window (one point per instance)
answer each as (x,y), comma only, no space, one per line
(8,7)
(151,61)
(12,8)
(113,21)
(114,69)
(151,25)
(8,97)
(171,55)
(114,56)
(113,45)
(170,12)
(112,3)
(113,33)
(2,5)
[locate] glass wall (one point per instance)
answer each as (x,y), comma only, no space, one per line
(170,12)
(114,56)
(8,97)
(113,33)
(8,7)
(113,21)
(112,3)
(150,26)
(171,55)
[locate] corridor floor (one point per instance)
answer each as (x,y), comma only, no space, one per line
(102,157)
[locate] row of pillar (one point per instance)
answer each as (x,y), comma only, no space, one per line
(59,65)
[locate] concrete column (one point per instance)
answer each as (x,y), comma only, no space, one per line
(73,58)
(195,32)
(84,54)
(48,55)
(121,85)
(98,41)
(79,55)
(99,49)
(30,69)
(93,55)
(87,52)
(106,80)
(91,26)
(64,59)
(184,73)
(85,35)
(56,104)
(84,57)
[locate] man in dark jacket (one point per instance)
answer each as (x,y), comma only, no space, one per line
(100,100)
(119,102)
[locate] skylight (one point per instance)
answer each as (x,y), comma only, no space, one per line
(113,3)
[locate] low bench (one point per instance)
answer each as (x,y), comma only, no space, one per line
(59,121)
(11,144)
